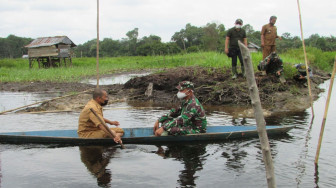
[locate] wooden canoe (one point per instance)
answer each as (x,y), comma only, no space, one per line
(138,136)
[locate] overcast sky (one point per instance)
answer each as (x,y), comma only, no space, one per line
(77,19)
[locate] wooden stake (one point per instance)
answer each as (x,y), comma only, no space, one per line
(258,113)
(306,61)
(97,44)
(325,114)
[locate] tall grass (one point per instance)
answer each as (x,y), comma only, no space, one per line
(17,70)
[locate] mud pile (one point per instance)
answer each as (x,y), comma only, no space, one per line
(215,87)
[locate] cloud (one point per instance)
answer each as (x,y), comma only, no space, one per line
(77,18)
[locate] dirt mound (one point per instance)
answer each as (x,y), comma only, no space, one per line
(215,87)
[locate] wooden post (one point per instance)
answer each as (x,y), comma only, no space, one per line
(97,44)
(306,62)
(325,114)
(70,62)
(38,60)
(30,63)
(258,114)
(49,62)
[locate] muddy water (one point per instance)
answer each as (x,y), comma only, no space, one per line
(222,164)
(117,79)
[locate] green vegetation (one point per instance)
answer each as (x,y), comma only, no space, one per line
(190,39)
(17,70)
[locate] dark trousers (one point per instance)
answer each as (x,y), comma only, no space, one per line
(234,59)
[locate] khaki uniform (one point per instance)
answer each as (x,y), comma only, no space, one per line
(270,34)
(88,122)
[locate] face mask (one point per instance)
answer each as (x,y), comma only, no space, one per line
(105,103)
(181,95)
(238,26)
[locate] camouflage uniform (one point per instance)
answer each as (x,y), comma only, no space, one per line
(271,64)
(187,119)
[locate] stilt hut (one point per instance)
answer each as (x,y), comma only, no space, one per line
(253,47)
(50,51)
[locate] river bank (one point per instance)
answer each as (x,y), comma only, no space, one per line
(212,87)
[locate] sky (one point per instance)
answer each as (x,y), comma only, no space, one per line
(77,19)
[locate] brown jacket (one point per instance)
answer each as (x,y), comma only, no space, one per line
(88,122)
(270,34)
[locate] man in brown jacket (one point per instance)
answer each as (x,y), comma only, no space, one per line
(268,36)
(89,125)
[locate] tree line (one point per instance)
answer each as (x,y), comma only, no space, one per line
(210,37)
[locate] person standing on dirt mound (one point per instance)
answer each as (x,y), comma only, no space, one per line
(231,46)
(189,118)
(268,36)
(89,126)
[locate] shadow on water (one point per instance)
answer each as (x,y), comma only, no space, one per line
(96,159)
(191,156)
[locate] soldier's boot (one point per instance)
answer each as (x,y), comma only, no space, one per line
(234,72)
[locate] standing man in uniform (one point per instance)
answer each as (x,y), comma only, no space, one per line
(89,126)
(268,36)
(188,119)
(231,46)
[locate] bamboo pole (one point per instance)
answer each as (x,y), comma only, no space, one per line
(258,113)
(97,64)
(43,102)
(306,61)
(325,114)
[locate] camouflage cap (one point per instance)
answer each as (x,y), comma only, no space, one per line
(239,21)
(184,85)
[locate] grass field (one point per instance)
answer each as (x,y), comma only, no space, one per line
(17,70)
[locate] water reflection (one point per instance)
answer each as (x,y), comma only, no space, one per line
(289,118)
(96,159)
(189,155)
(0,169)
(235,155)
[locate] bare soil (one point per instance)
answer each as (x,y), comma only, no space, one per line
(212,86)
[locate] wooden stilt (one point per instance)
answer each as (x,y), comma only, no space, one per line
(39,65)
(30,63)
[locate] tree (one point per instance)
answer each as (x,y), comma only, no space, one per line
(211,37)
(179,38)
(133,39)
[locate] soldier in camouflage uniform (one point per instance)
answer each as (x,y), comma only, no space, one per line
(187,119)
(272,64)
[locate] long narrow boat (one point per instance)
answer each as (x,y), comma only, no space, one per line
(138,136)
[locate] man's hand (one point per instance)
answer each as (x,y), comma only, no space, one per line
(262,44)
(159,131)
(117,139)
(156,126)
(226,51)
(116,123)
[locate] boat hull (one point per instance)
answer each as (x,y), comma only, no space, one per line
(138,136)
